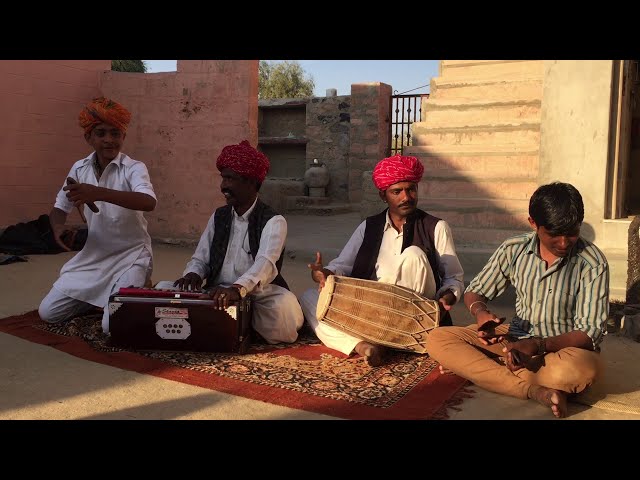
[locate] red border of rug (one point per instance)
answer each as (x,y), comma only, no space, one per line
(424,401)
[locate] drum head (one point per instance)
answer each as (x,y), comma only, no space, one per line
(325,297)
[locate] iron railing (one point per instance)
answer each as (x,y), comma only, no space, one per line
(405,110)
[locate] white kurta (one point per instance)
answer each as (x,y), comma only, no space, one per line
(449,266)
(410,269)
(277,315)
(117,236)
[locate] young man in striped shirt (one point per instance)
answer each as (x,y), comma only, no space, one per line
(550,349)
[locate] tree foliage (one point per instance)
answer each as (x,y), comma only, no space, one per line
(129,66)
(284,80)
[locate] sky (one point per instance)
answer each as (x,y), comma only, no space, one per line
(402,75)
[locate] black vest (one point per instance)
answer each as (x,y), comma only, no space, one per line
(418,230)
(258,218)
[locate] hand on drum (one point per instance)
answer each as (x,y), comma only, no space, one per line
(447,300)
(318,272)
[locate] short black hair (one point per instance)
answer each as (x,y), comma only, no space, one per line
(557,207)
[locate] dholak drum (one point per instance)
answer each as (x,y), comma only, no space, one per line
(378,312)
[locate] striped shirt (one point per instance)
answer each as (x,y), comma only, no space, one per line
(572,294)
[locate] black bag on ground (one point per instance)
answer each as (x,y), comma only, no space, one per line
(36,238)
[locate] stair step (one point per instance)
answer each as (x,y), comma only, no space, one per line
(473,259)
(443,88)
(499,188)
(295,201)
(509,133)
(462,150)
(459,104)
(454,113)
(492,69)
(618,263)
(479,167)
(470,205)
(483,237)
(328,209)
(482,219)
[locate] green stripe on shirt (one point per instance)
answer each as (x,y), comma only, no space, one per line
(572,294)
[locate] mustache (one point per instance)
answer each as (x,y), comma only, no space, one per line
(407,204)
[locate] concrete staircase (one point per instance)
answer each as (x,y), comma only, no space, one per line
(479,143)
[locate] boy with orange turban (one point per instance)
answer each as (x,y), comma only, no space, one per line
(402,245)
(117,189)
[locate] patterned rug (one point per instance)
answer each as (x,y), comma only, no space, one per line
(305,375)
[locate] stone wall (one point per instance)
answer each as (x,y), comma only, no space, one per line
(371,202)
(348,133)
(328,132)
(370,132)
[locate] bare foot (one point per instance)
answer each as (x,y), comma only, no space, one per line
(445,371)
(549,397)
(373,354)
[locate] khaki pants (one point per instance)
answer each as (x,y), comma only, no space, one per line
(458,349)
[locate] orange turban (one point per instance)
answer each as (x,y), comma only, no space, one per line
(244,160)
(103,110)
(397,169)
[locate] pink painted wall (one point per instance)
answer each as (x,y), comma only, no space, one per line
(181,121)
(40,101)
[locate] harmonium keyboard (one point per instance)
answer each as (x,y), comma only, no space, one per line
(155,319)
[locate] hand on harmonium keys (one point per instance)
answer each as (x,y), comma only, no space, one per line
(191,282)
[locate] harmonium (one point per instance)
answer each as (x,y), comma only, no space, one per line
(156,319)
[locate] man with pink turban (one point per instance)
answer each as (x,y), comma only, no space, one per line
(402,245)
(240,252)
(113,191)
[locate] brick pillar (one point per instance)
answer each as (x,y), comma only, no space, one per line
(369,134)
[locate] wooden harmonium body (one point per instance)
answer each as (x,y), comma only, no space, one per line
(151,319)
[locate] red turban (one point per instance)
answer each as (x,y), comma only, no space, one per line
(397,169)
(244,160)
(103,110)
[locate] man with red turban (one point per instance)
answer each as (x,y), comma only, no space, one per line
(402,245)
(113,191)
(241,250)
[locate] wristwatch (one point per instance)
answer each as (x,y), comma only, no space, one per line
(242,291)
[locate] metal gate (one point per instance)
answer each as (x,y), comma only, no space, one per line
(405,110)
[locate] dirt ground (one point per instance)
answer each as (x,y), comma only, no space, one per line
(39,382)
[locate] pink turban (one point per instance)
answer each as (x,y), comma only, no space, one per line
(397,169)
(103,110)
(244,160)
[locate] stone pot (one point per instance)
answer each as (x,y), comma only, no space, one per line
(317,176)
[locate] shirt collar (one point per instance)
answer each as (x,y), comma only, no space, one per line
(387,223)
(532,247)
(245,215)
(92,158)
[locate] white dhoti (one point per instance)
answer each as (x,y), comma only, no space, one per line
(57,307)
(414,272)
(277,315)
